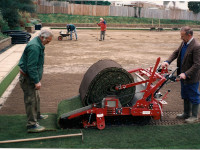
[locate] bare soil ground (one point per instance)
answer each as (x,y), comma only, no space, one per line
(66,62)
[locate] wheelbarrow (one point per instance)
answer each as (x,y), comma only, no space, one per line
(63,34)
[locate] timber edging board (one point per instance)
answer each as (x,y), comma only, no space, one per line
(5,43)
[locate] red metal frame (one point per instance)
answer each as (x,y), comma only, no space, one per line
(148,105)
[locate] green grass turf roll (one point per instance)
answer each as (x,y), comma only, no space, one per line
(100,80)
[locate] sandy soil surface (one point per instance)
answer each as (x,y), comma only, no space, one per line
(66,62)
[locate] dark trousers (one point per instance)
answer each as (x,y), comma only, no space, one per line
(31,99)
(102,35)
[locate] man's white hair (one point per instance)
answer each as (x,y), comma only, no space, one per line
(45,33)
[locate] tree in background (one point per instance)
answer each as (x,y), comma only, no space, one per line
(3,24)
(10,10)
(194,6)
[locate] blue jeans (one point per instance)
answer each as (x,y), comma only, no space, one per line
(74,33)
(191,92)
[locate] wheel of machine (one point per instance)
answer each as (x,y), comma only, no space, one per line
(100,80)
(60,38)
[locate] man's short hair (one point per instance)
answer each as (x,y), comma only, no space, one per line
(45,33)
(187,30)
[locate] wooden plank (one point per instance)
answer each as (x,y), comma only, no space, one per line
(42,138)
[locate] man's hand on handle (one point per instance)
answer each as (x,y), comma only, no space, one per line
(165,64)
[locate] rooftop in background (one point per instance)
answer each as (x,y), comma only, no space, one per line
(183,5)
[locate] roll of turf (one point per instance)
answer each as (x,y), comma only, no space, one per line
(100,81)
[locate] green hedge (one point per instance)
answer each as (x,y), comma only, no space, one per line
(64,18)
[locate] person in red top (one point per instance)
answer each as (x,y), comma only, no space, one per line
(102,24)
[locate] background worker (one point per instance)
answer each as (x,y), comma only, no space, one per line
(188,63)
(103,26)
(71,28)
(31,71)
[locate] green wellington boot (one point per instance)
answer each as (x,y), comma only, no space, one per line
(187,109)
(194,118)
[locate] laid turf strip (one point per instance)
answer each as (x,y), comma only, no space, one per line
(127,137)
(65,107)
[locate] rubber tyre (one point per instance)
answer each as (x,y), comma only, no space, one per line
(60,38)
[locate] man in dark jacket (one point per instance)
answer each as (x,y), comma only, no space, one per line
(31,70)
(71,28)
(188,63)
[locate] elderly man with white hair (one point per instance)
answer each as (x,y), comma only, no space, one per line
(31,71)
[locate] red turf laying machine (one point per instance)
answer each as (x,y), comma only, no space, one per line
(147,102)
